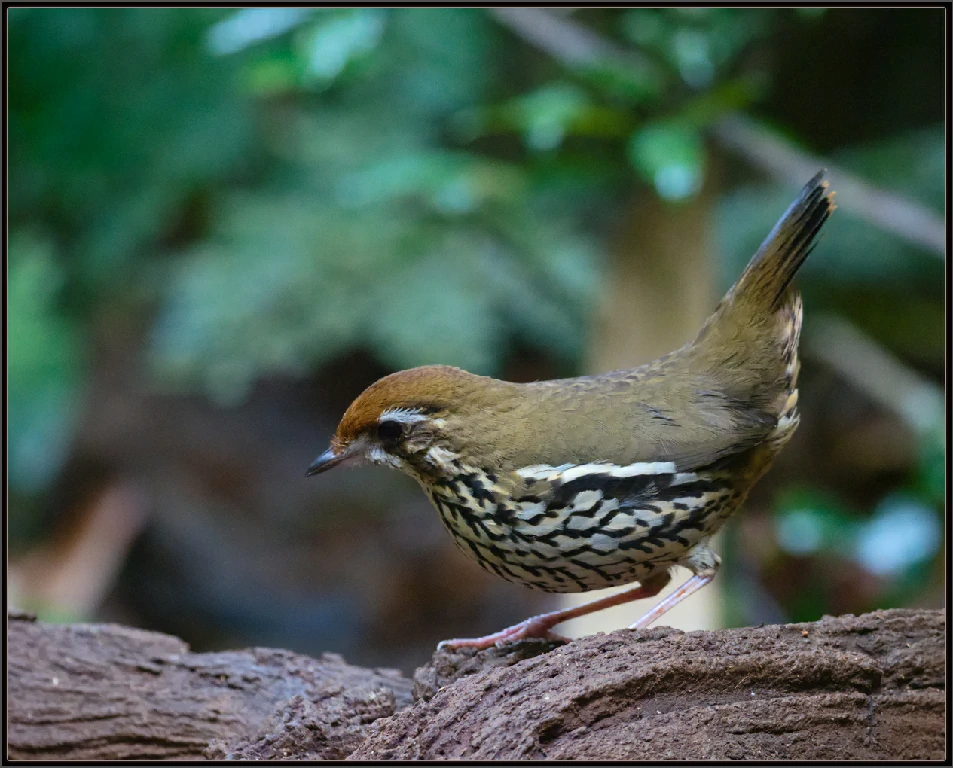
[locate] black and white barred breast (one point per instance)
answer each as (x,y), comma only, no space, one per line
(574,528)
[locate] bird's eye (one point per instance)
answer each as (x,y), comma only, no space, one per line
(389,431)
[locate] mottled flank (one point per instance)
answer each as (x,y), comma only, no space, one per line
(572,531)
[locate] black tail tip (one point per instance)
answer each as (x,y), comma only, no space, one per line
(817,190)
(818,181)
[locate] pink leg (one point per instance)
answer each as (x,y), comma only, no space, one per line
(695,583)
(540,626)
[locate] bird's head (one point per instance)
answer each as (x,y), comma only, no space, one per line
(412,420)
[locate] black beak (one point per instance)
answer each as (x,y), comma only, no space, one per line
(325,461)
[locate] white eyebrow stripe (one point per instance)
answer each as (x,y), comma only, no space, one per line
(567,472)
(402,415)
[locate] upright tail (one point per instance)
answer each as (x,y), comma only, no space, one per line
(762,290)
(750,342)
(765,280)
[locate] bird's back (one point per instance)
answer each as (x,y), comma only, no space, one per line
(729,390)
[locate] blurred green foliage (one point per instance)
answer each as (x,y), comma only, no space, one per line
(44,364)
(855,253)
(276,187)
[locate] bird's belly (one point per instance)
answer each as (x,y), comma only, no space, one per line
(592,544)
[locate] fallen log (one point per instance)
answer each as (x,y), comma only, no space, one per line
(867,687)
(107,692)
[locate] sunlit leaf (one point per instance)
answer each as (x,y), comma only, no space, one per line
(903,532)
(253,25)
(330,45)
(671,157)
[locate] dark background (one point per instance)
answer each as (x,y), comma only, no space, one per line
(224,224)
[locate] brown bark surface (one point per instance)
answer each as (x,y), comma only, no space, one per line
(106,692)
(867,687)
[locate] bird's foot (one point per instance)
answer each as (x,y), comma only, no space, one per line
(535,628)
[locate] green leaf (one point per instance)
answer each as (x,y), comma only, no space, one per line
(333,43)
(545,117)
(903,532)
(809,522)
(250,26)
(670,156)
(547,114)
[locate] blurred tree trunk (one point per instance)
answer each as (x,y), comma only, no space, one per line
(660,288)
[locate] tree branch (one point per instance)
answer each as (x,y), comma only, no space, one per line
(873,370)
(881,208)
(566,41)
(573,45)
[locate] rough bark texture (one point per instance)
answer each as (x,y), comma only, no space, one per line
(868,687)
(104,692)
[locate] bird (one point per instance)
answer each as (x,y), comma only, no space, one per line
(578,484)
